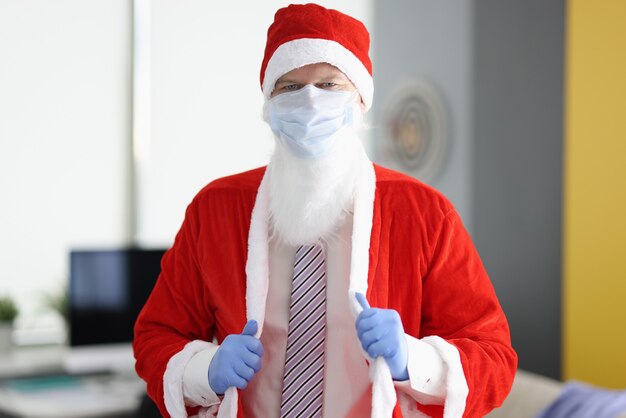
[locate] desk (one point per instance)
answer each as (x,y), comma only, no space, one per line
(34,383)
(30,361)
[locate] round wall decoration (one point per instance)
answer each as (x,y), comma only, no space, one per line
(415,124)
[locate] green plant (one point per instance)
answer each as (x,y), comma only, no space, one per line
(8,310)
(58,302)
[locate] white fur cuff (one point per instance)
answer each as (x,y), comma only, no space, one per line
(173,378)
(456,385)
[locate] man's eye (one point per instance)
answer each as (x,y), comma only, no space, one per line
(290,87)
(328,85)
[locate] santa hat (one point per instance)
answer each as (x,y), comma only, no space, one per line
(305,34)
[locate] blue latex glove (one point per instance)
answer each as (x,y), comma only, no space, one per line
(236,361)
(381,334)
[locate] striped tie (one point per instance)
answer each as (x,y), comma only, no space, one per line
(303,383)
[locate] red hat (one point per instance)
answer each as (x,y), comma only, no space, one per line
(305,34)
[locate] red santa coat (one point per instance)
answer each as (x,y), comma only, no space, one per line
(410,253)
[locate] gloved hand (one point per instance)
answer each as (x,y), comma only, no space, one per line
(381,334)
(236,361)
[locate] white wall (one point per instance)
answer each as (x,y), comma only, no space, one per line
(430,41)
(206,102)
(65,123)
(64,130)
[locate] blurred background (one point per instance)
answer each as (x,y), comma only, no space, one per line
(114,113)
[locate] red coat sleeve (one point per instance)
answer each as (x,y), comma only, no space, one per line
(176,311)
(460,306)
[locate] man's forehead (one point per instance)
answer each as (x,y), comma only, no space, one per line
(322,71)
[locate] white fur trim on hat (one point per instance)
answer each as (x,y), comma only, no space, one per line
(300,52)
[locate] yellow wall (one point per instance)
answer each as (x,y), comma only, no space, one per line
(594,297)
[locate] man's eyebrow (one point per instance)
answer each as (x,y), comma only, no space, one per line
(332,77)
(286,80)
(336,77)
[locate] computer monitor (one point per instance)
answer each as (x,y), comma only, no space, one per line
(107,290)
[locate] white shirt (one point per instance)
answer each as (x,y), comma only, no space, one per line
(347,387)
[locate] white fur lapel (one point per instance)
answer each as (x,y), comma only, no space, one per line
(257,272)
(257,279)
(257,265)
(361,231)
(383,391)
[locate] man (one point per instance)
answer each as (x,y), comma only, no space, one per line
(263,308)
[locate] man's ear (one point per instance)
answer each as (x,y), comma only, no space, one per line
(362,104)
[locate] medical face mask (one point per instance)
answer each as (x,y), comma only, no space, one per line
(308,120)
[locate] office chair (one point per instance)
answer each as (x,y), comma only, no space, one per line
(148,409)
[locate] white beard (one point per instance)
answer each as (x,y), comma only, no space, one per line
(310,197)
